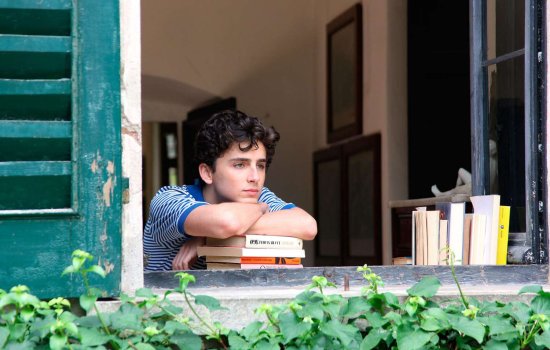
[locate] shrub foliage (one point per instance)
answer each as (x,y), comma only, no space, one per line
(313,320)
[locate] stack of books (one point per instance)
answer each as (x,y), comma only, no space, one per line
(478,238)
(253,252)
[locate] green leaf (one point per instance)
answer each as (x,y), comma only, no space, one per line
(543,339)
(344,333)
(495,345)
(393,317)
(427,287)
(518,310)
(98,270)
(87,301)
(209,302)
(92,337)
(238,343)
(172,326)
(186,341)
(145,293)
(144,346)
(292,326)
(471,328)
(531,289)
(541,304)
(373,338)
(251,331)
(409,339)
(375,319)
(4,334)
(392,300)
(57,342)
(356,306)
(498,325)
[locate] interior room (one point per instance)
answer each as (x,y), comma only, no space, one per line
(270,59)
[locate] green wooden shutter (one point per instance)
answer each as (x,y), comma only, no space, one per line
(60,142)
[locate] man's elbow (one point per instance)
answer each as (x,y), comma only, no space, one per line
(310,229)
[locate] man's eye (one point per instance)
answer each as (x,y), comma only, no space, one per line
(261,166)
(238,165)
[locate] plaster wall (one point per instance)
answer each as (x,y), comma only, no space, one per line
(132,247)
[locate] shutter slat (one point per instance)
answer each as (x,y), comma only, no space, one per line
(36,4)
(35,87)
(35,43)
(35,168)
(35,129)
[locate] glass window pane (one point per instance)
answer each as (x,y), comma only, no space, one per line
(507,137)
(505,26)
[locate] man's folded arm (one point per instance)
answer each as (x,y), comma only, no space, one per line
(293,222)
(223,220)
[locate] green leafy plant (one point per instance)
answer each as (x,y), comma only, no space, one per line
(317,318)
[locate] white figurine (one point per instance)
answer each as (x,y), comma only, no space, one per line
(464,180)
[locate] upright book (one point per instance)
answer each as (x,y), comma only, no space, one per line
(489,206)
(257,241)
(454,214)
(503,227)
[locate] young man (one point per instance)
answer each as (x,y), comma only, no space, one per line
(233,151)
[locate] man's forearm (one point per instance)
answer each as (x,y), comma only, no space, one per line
(293,222)
(223,220)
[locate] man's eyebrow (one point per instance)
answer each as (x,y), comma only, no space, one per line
(239,159)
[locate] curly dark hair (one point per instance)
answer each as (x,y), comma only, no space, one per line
(221,130)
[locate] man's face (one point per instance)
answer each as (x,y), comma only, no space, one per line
(239,176)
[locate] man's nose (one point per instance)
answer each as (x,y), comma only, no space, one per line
(253,175)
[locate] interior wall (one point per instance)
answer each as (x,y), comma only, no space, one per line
(261,52)
(271,55)
(384,91)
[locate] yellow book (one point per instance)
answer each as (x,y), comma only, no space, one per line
(503,226)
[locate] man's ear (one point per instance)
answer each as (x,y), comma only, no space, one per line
(205,173)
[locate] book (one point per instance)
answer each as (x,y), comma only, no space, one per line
(477,239)
(256,241)
(416,259)
(502,241)
(402,260)
(237,251)
(236,266)
(443,256)
(489,205)
(421,242)
(467,239)
(432,237)
(454,214)
(254,260)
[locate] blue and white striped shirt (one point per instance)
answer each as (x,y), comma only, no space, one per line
(164,235)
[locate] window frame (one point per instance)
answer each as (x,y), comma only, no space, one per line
(535,105)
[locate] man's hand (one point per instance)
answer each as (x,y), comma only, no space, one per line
(187,255)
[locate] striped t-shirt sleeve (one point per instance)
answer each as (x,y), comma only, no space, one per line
(273,202)
(169,209)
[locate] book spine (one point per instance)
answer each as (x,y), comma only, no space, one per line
(503,227)
(270,260)
(258,241)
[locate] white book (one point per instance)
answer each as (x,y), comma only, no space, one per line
(250,252)
(489,206)
(454,214)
